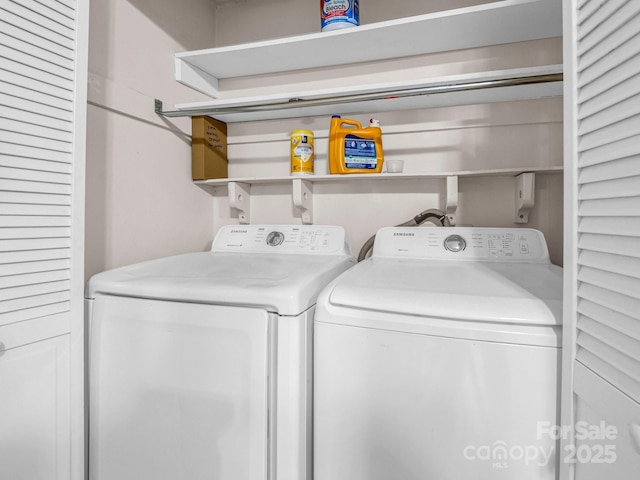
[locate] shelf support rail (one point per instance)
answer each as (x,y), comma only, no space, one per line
(293,103)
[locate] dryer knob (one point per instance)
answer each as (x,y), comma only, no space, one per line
(275,238)
(455,243)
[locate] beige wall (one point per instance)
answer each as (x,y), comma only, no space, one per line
(141,203)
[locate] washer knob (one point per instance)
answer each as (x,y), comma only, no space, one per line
(275,238)
(455,243)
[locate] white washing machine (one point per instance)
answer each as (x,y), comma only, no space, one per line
(438,358)
(200,364)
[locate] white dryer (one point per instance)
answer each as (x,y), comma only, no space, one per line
(438,358)
(200,364)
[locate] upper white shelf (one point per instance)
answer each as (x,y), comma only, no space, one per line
(495,23)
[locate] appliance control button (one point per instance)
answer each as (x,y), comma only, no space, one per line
(455,243)
(275,238)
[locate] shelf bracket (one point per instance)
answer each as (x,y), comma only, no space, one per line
(525,197)
(240,199)
(303,199)
(451,205)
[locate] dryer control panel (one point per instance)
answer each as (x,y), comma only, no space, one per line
(463,243)
(282,239)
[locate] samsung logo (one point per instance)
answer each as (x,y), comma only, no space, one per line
(238,231)
(402,234)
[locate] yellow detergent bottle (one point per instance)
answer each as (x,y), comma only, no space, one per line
(353,149)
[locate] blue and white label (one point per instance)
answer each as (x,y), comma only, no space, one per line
(344,12)
(360,152)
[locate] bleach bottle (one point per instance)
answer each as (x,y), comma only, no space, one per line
(336,14)
(354,149)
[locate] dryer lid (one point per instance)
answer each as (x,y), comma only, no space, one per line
(506,292)
(284,278)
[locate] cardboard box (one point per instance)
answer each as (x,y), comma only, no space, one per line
(208,148)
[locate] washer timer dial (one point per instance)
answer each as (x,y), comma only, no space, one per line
(275,238)
(455,243)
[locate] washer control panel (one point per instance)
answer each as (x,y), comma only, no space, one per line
(307,239)
(462,243)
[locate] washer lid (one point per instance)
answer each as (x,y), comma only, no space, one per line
(286,283)
(477,291)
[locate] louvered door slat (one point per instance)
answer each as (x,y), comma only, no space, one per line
(625,344)
(625,167)
(34,312)
(614,320)
(38,289)
(16,126)
(621,78)
(37,120)
(36,142)
(607,63)
(28,233)
(623,226)
(51,14)
(33,21)
(59,7)
(587,9)
(588,23)
(34,187)
(619,245)
(21,92)
(39,276)
(622,284)
(614,31)
(601,112)
(21,45)
(35,85)
(620,207)
(606,262)
(27,71)
(610,189)
(35,256)
(627,147)
(35,165)
(26,151)
(13,274)
(26,57)
(620,130)
(43,43)
(35,107)
(33,301)
(29,199)
(21,244)
(613,370)
(28,210)
(7,221)
(69,4)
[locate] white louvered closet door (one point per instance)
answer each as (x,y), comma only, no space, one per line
(602,315)
(43,71)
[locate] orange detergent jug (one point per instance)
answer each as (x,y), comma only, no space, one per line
(353,149)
